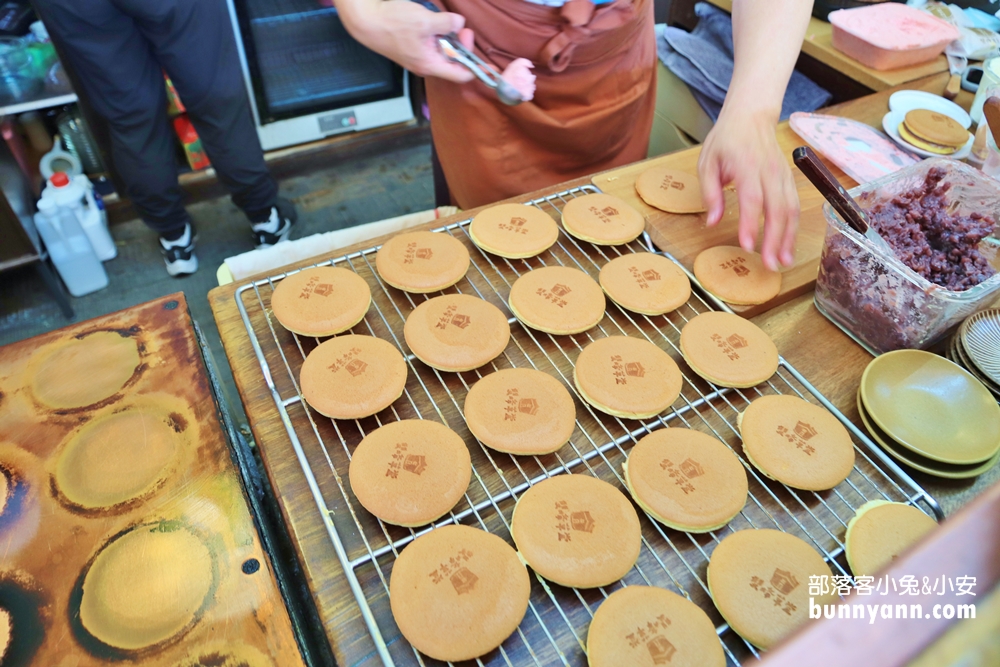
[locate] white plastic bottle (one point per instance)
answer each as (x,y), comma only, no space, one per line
(70,249)
(77,194)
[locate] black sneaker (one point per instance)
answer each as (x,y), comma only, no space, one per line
(179,255)
(277,227)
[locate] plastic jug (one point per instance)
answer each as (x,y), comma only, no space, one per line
(70,249)
(77,194)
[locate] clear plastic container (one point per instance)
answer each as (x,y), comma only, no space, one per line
(879,301)
(889,35)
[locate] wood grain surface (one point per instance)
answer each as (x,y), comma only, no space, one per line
(828,358)
(48,543)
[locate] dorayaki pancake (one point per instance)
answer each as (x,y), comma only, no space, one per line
(627,377)
(880,531)
(458,592)
(121,457)
(82,371)
(670,190)
(645,283)
(422,262)
(686,479)
(576,530)
(916,141)
(351,376)
(456,332)
(728,350)
(520,411)
(646,626)
(147,586)
(513,230)
(797,443)
(557,300)
(321,301)
(736,276)
(933,131)
(410,472)
(759,581)
(602,219)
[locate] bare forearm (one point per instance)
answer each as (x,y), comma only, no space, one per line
(767,37)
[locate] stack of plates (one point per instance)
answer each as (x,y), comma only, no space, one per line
(976,348)
(930,414)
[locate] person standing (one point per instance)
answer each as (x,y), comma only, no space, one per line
(594,98)
(120,50)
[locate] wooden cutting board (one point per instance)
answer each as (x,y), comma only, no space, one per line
(134,546)
(684,236)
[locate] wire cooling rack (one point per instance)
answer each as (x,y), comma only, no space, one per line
(554,629)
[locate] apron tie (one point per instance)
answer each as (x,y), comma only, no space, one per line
(578,16)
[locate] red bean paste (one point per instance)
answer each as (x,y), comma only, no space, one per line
(938,245)
(883,308)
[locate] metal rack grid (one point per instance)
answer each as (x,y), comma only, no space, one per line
(554,628)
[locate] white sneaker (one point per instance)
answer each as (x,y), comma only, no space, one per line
(179,255)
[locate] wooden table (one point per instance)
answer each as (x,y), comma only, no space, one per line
(818,43)
(804,337)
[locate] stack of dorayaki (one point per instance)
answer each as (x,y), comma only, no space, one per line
(933,132)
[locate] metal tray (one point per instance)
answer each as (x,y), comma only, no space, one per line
(555,627)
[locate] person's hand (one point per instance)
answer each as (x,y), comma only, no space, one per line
(404,32)
(742,150)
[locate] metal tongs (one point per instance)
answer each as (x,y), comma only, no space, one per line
(453,50)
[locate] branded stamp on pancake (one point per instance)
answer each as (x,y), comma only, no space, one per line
(683,473)
(314,287)
(456,572)
(799,435)
(516,225)
(737,264)
(651,634)
(730,344)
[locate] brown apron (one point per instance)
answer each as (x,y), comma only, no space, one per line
(593,105)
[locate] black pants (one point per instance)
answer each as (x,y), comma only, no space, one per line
(120,49)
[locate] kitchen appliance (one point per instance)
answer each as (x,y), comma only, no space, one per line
(307,78)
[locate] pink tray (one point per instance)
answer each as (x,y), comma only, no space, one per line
(860,151)
(890,35)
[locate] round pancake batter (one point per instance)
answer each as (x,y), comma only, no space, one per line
(458,592)
(513,230)
(880,532)
(422,262)
(759,581)
(520,411)
(321,301)
(670,190)
(728,350)
(410,472)
(686,480)
(576,530)
(646,626)
(627,377)
(82,371)
(645,283)
(602,219)
(351,376)
(456,332)
(119,458)
(557,300)
(147,586)
(797,443)
(736,276)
